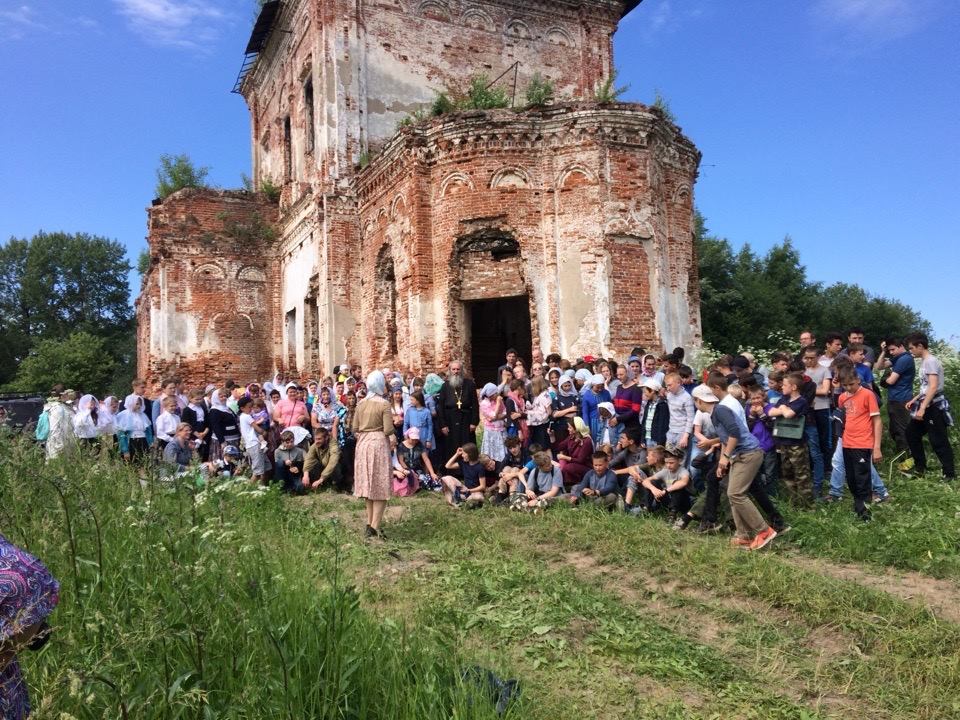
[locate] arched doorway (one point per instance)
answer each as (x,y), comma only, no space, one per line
(495,298)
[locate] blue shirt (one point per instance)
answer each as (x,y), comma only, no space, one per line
(866,375)
(604,484)
(541,482)
(902,389)
(728,424)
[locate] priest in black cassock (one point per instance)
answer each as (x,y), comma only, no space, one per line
(458,413)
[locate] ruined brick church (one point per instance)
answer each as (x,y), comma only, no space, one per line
(566,227)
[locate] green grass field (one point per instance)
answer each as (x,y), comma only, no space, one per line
(234,602)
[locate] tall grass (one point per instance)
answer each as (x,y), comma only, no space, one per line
(217,603)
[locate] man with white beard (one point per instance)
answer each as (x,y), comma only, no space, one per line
(458,413)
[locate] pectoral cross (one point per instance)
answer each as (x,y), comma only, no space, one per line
(459,404)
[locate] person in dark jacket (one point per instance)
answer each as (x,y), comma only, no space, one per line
(656,415)
(197,415)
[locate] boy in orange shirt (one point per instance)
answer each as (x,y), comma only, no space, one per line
(862,429)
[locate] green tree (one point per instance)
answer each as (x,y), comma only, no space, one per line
(744,298)
(81,360)
(177,172)
(55,284)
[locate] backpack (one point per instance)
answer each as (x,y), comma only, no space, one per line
(42,431)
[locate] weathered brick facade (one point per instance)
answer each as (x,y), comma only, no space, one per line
(582,212)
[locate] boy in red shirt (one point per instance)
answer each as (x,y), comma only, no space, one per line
(862,429)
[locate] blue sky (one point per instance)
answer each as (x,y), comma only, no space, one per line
(834,121)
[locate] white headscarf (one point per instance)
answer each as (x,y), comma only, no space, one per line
(376,383)
(567,382)
(107,419)
(489,390)
(83,422)
(130,421)
(217,403)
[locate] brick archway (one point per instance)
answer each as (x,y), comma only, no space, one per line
(495,300)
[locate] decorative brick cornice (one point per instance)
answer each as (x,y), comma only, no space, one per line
(492,131)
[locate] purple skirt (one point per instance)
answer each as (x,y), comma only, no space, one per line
(28,594)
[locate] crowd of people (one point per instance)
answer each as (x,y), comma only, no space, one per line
(644,437)
(711,450)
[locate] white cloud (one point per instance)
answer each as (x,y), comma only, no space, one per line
(16,21)
(181,23)
(874,21)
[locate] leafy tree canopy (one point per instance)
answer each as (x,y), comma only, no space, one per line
(744,297)
(56,284)
(81,360)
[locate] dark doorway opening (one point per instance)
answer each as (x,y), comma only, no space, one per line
(496,325)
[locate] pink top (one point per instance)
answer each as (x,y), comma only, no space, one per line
(288,411)
(489,409)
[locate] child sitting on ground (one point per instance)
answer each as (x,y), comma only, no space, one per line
(637,473)
(414,463)
(511,472)
(544,484)
(288,462)
(599,485)
(668,487)
(471,489)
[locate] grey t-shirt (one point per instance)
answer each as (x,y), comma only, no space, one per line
(931,366)
(818,375)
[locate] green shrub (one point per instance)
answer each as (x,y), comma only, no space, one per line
(442,104)
(608,92)
(480,96)
(177,172)
(539,91)
(270,189)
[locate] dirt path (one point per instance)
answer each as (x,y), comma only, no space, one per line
(710,618)
(941,597)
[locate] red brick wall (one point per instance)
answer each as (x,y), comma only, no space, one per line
(206,307)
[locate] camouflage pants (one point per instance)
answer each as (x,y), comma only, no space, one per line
(795,474)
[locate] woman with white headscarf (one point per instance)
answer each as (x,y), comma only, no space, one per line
(565,406)
(224,426)
(86,423)
(492,414)
(589,408)
(134,431)
(107,419)
(373,472)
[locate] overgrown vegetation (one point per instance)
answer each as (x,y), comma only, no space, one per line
(233,601)
(226,602)
(608,92)
(539,91)
(270,189)
(663,105)
(177,172)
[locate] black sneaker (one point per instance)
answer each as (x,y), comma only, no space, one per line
(369,533)
(707,528)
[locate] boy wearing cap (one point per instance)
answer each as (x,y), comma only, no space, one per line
(740,459)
